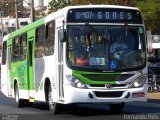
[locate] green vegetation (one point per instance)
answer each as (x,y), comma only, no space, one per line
(151,13)
(54,5)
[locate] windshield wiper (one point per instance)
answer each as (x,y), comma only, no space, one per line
(115,37)
(94,30)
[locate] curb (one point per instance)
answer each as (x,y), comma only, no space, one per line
(143,104)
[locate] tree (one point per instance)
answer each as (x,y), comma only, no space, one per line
(3,8)
(151,12)
(55,5)
(111,2)
(8,7)
(86,2)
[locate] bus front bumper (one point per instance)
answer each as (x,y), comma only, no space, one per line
(77,95)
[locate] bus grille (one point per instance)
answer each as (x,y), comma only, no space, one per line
(107,77)
(111,94)
(103,85)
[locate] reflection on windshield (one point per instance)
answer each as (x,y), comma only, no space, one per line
(95,47)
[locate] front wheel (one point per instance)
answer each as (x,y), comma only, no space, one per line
(117,108)
(20,102)
(54,107)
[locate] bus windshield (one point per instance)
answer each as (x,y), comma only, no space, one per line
(105,48)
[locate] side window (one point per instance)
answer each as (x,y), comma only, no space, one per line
(23,42)
(4,53)
(39,45)
(15,49)
(50,39)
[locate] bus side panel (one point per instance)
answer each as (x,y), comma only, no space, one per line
(39,70)
(45,67)
(18,74)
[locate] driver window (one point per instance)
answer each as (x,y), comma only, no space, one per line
(118,44)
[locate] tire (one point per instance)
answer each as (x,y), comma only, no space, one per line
(20,102)
(116,108)
(54,107)
(73,107)
(150,89)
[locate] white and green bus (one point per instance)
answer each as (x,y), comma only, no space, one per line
(67,57)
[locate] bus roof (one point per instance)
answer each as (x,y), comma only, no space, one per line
(101,6)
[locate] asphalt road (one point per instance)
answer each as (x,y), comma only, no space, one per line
(39,111)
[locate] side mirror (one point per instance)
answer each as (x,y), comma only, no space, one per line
(149,41)
(62,35)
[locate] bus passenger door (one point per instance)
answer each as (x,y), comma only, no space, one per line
(60,66)
(30,69)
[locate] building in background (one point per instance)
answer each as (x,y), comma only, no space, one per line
(9,24)
(38,4)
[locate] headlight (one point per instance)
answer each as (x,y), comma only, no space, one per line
(139,82)
(75,82)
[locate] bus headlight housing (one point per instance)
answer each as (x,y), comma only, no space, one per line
(139,82)
(75,82)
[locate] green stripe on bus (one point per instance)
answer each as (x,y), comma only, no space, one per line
(96,77)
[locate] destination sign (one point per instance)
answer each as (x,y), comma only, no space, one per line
(108,15)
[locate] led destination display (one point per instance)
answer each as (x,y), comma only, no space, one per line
(105,15)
